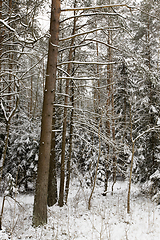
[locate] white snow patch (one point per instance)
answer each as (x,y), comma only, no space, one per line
(107,219)
(155,175)
(153,109)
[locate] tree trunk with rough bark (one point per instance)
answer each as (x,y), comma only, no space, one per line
(1,30)
(40,200)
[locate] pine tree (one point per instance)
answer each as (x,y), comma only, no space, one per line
(147,44)
(40,201)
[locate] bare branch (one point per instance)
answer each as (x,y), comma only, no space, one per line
(95,7)
(91,31)
(90,15)
(76,62)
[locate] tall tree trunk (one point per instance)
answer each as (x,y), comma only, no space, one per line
(31,93)
(52,181)
(1,31)
(130,179)
(99,154)
(108,114)
(97,90)
(113,137)
(61,192)
(40,200)
(71,126)
(70,145)
(114,165)
(10,61)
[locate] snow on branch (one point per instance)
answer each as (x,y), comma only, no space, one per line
(79,78)
(13,51)
(89,15)
(87,32)
(88,143)
(8,94)
(95,7)
(93,129)
(4,111)
(104,43)
(90,42)
(7,26)
(83,111)
(61,105)
(60,69)
(147,131)
(74,46)
(77,62)
(18,37)
(33,66)
(11,114)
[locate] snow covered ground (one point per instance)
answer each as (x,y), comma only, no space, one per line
(107,219)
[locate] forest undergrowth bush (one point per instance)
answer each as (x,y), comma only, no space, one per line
(152,187)
(21,159)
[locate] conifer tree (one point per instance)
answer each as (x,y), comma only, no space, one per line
(40,201)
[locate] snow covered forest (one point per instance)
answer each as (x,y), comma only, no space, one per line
(79,119)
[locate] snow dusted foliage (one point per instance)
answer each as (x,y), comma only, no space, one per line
(22,156)
(10,188)
(21,88)
(143,91)
(126,103)
(152,187)
(84,157)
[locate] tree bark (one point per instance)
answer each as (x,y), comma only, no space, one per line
(61,192)
(1,38)
(40,200)
(70,147)
(108,114)
(130,179)
(95,178)
(52,182)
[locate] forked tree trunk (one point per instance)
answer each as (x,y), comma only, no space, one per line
(40,200)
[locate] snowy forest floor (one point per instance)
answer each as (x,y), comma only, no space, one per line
(107,219)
